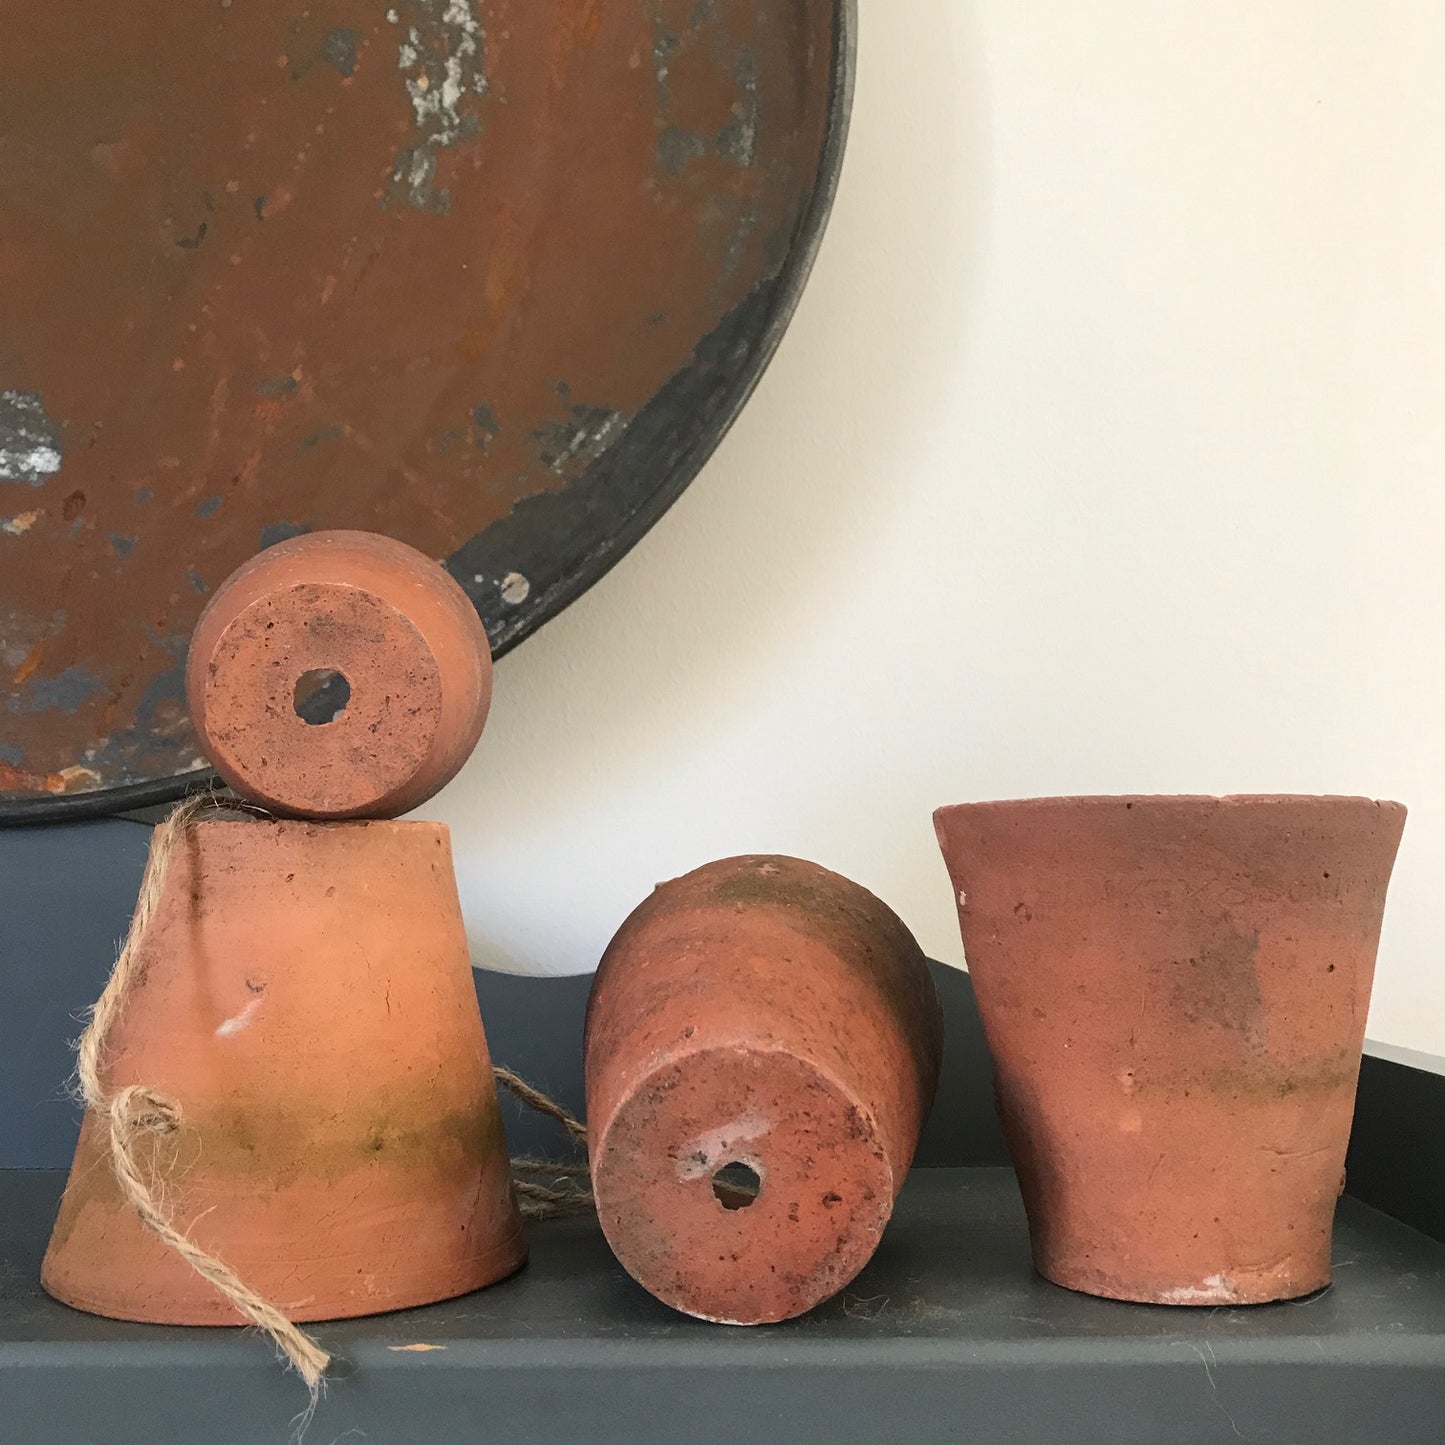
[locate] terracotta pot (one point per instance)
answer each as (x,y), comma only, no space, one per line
(759,1023)
(339,675)
(1174,992)
(307,999)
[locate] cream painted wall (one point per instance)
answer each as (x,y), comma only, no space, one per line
(1104,455)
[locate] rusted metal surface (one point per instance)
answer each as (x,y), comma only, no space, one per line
(490,277)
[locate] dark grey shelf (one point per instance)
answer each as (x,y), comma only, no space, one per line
(946,1336)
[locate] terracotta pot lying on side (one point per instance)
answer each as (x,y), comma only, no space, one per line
(307,999)
(1174,993)
(762,1047)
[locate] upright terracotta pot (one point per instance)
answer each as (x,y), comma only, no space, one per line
(760,1023)
(1174,992)
(306,996)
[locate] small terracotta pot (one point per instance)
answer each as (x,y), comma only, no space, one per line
(339,675)
(760,1024)
(307,999)
(1174,993)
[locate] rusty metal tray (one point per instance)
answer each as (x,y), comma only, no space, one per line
(491,277)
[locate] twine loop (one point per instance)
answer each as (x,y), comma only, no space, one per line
(141,1110)
(138,1110)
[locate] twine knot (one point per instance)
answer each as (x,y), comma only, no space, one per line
(143,1110)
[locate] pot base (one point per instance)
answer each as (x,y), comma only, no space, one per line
(1237,1287)
(412,1290)
(742,1185)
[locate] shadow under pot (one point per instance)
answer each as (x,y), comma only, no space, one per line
(762,1047)
(1174,994)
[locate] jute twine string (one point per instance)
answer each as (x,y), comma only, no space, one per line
(547,1189)
(138,1112)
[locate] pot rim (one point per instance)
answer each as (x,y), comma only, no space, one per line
(1160,800)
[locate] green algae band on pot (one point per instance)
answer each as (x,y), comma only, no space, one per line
(762,1047)
(305,994)
(1174,993)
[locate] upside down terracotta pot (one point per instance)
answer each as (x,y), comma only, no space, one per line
(306,996)
(1174,993)
(339,675)
(762,1047)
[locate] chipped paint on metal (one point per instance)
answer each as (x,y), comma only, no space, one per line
(339,50)
(20,523)
(676,147)
(29,442)
(737,141)
(327,434)
(442,61)
(664,46)
(281,532)
(568,448)
(64,692)
(515,588)
(484,427)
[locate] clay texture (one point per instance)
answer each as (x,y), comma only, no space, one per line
(412,652)
(760,1022)
(307,995)
(1174,993)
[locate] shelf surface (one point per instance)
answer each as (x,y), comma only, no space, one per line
(948,1334)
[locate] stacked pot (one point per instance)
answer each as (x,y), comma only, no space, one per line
(303,989)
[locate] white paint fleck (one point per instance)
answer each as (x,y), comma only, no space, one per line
(710,1151)
(29,446)
(436,105)
(391,17)
(441,63)
(1213,1289)
(233,1025)
(962,898)
(515,588)
(78,779)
